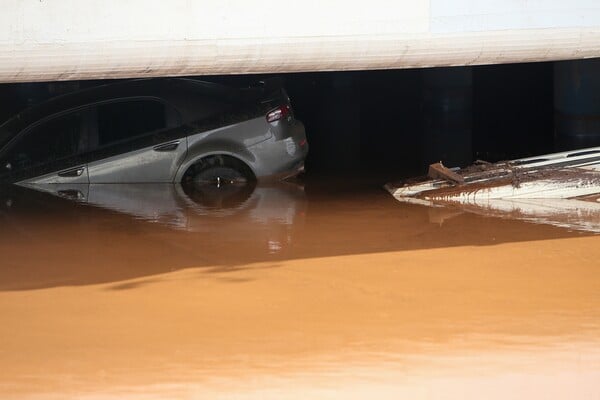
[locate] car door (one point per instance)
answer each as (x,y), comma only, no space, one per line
(137,141)
(49,151)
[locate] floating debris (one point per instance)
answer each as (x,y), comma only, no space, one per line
(562,189)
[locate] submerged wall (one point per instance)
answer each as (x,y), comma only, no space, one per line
(43,40)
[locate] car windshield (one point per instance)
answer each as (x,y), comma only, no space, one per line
(51,140)
(5,136)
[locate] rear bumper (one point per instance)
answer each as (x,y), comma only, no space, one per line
(281,158)
(289,173)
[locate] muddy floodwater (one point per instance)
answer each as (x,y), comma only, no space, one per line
(314,291)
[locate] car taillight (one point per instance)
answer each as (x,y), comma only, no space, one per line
(278,113)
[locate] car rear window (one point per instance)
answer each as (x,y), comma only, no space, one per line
(126,119)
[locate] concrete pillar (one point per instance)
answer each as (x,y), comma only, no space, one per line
(577,104)
(448,115)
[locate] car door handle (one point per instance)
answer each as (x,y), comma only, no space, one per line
(72,173)
(167,146)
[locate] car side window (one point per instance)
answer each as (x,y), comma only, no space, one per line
(49,141)
(123,120)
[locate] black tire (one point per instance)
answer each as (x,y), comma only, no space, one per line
(219,176)
(219,171)
(219,182)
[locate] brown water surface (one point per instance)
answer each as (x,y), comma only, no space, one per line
(328,291)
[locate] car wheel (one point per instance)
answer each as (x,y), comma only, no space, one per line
(219,171)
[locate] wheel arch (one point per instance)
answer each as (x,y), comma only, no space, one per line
(192,162)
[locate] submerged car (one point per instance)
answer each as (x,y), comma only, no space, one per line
(155,131)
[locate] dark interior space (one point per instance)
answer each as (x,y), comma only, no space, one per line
(404,122)
(396,122)
(513,111)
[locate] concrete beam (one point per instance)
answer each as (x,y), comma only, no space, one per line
(45,40)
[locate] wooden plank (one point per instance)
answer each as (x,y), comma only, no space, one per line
(438,171)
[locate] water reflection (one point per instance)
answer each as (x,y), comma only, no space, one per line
(204,226)
(192,208)
(81,234)
(573,214)
(264,215)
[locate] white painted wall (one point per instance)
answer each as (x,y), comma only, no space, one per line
(83,39)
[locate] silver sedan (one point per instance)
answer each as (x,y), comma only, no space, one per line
(163,130)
